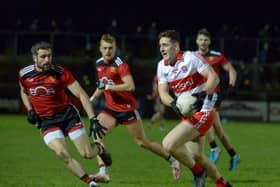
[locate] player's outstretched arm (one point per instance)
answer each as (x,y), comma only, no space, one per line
(80,93)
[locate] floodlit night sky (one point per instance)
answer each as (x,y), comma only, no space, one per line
(95,15)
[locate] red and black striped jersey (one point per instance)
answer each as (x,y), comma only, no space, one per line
(217,60)
(112,73)
(46,90)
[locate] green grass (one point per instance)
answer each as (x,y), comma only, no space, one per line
(25,161)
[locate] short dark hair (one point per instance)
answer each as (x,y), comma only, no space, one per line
(108,38)
(172,34)
(40,45)
(204,32)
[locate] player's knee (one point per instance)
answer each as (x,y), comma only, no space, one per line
(199,157)
(87,154)
(63,155)
(168,146)
(140,143)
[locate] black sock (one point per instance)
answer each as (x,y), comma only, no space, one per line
(213,144)
(86,178)
(231,152)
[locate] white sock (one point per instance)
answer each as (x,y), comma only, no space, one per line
(103,170)
(171,159)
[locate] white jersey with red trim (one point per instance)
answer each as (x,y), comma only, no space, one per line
(185,75)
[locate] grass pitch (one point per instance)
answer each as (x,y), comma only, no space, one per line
(25,161)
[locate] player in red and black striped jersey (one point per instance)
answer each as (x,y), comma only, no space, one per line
(42,89)
(116,83)
(218,61)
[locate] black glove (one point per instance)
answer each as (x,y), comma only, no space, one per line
(230,91)
(101,85)
(175,108)
(200,96)
(96,128)
(33,118)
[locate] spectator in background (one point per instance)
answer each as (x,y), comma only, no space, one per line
(68,25)
(153,31)
(114,29)
(43,92)
(54,26)
(88,77)
(116,83)
(264,44)
(34,26)
(218,61)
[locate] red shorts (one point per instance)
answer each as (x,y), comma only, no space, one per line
(202,121)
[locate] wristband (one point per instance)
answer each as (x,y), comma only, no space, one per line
(107,87)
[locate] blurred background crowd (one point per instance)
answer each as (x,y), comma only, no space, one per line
(253,49)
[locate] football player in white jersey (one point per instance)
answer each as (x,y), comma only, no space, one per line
(181,72)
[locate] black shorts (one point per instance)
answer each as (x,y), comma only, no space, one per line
(124,118)
(219,101)
(65,120)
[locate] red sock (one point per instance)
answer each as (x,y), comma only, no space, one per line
(197,169)
(86,178)
(221,182)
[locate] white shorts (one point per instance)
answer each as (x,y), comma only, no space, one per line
(56,133)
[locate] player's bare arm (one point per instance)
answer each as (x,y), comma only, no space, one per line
(80,93)
(165,97)
(96,94)
(25,98)
(232,73)
(212,79)
(127,85)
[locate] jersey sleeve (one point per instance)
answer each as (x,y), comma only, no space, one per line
(124,70)
(68,77)
(224,60)
(200,62)
(162,79)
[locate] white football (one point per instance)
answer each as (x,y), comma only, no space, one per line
(185,103)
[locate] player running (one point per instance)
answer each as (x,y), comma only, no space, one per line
(42,89)
(181,72)
(218,61)
(116,83)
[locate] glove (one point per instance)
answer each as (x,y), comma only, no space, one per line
(175,108)
(33,118)
(230,91)
(102,85)
(96,129)
(200,96)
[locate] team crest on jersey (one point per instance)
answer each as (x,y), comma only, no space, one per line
(112,69)
(174,71)
(52,78)
(184,69)
(211,58)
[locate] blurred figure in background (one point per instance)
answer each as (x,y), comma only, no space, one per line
(218,61)
(159,108)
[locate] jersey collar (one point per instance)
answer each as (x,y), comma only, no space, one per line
(178,58)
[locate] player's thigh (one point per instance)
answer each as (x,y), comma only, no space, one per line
(136,130)
(197,146)
(107,121)
(180,134)
(217,123)
(59,147)
(83,145)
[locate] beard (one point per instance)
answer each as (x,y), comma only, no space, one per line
(44,68)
